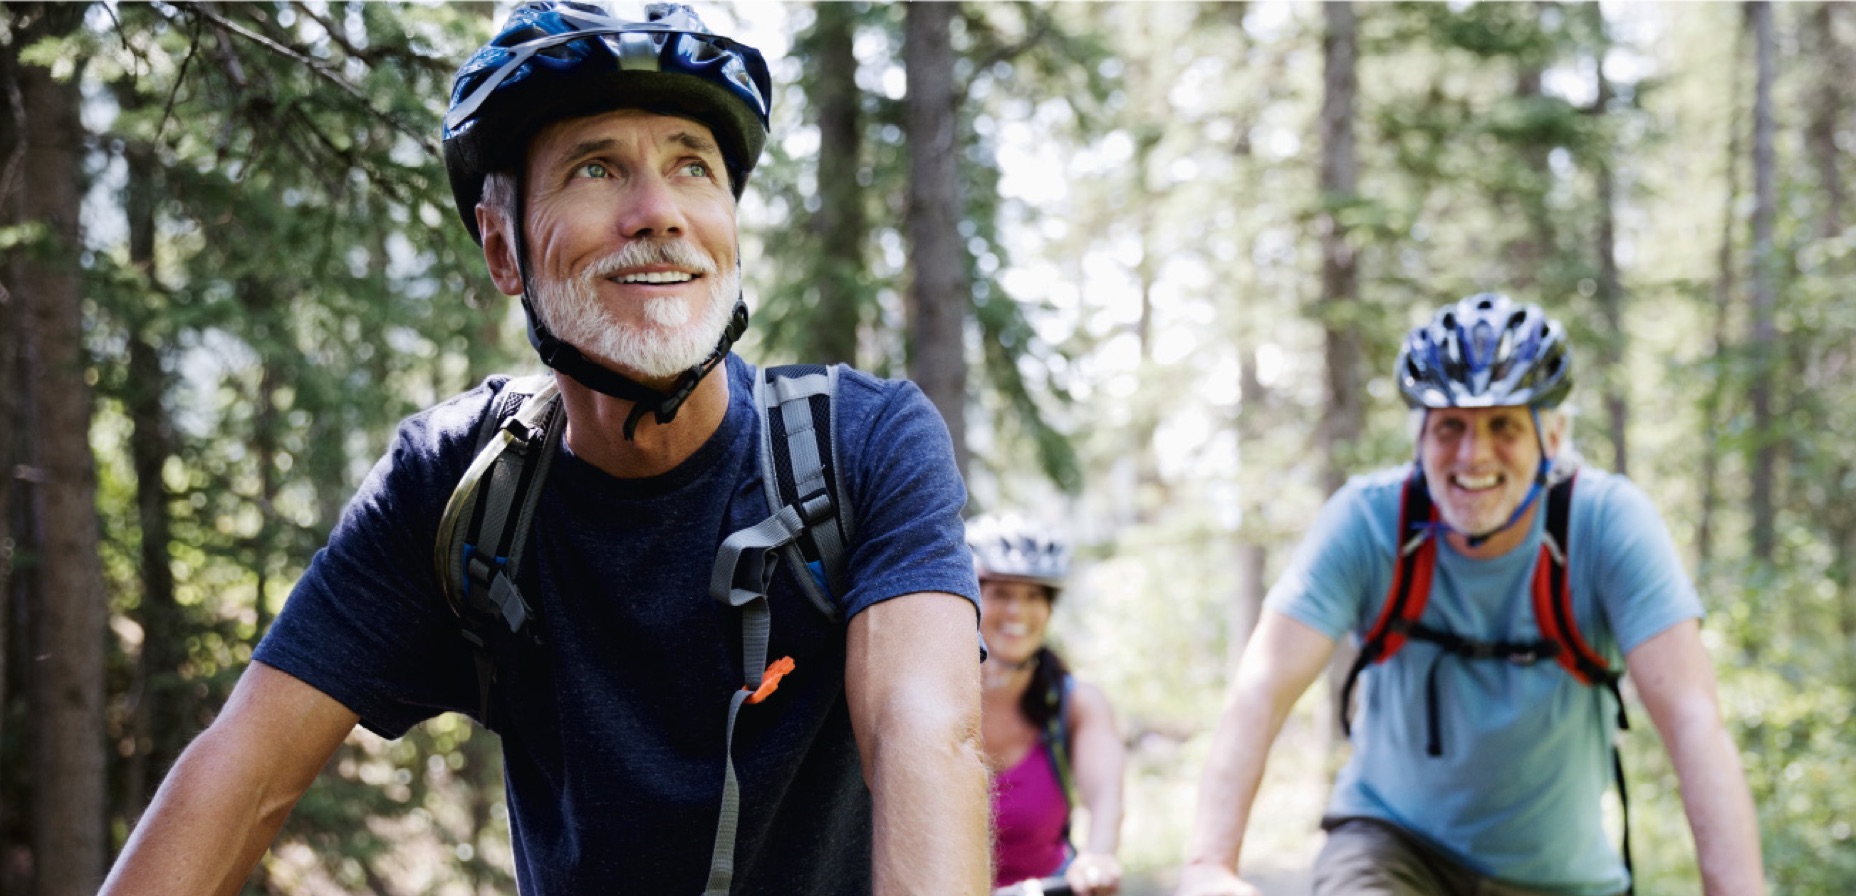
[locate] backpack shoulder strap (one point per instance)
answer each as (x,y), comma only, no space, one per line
(486,522)
(799,463)
(1553,595)
(807,528)
(1057,740)
(1410,590)
(1559,626)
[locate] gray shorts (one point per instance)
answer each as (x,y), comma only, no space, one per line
(1370,857)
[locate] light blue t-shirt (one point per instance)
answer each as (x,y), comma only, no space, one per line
(1526,750)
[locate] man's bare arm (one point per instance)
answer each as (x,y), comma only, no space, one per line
(1282,659)
(912,677)
(223,802)
(1676,681)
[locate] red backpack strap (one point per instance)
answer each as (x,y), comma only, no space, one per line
(1411,587)
(1553,595)
(1411,580)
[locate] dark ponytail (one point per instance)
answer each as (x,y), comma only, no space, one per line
(1043,696)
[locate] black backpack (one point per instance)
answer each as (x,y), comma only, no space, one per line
(486,523)
(1400,620)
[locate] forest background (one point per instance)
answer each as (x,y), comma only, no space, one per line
(1150,260)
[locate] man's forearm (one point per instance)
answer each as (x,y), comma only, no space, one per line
(912,681)
(1228,787)
(932,813)
(204,832)
(229,793)
(1720,813)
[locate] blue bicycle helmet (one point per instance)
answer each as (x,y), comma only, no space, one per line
(554,60)
(1486,351)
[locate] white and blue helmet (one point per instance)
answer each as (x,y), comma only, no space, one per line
(1011,548)
(1486,351)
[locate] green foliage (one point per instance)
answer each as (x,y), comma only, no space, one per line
(1141,226)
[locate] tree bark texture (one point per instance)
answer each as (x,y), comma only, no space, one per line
(1725,281)
(1762,341)
(68,609)
(159,726)
(1610,286)
(1345,419)
(839,223)
(1828,115)
(1346,413)
(939,292)
(12,458)
(1252,553)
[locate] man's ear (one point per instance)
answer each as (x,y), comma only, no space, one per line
(499,251)
(1557,425)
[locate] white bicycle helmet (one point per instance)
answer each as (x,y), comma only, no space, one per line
(1010,547)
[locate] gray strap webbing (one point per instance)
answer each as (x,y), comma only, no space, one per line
(793,396)
(495,503)
(743,570)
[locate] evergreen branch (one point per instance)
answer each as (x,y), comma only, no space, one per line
(1040,27)
(167,109)
(315,66)
(338,35)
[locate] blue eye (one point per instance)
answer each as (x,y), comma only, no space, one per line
(592,169)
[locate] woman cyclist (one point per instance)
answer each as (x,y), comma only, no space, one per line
(1051,740)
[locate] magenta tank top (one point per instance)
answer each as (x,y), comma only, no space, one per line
(1028,811)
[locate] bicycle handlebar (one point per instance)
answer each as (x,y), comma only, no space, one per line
(1048,886)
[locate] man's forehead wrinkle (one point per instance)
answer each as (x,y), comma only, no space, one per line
(695,142)
(588,147)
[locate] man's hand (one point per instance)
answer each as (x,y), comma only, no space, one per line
(1094,874)
(1206,879)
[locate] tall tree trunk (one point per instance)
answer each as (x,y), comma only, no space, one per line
(69,612)
(1345,419)
(1149,92)
(13,525)
(1828,116)
(1610,288)
(1762,342)
(1724,288)
(939,293)
(1526,255)
(1252,555)
(160,725)
(1346,410)
(832,335)
(261,309)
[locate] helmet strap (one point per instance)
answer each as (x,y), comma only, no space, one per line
(561,356)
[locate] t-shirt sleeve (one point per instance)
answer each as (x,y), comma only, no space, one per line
(906,496)
(1331,571)
(367,623)
(1639,576)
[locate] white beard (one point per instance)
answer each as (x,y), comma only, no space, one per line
(673,340)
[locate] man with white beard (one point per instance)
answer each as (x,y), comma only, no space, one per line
(598,162)
(1496,606)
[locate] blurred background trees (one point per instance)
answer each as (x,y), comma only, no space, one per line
(1152,260)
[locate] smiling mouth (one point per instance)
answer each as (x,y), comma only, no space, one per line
(655,277)
(1476,483)
(1014,629)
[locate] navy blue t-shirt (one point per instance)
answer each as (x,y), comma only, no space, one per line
(613,731)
